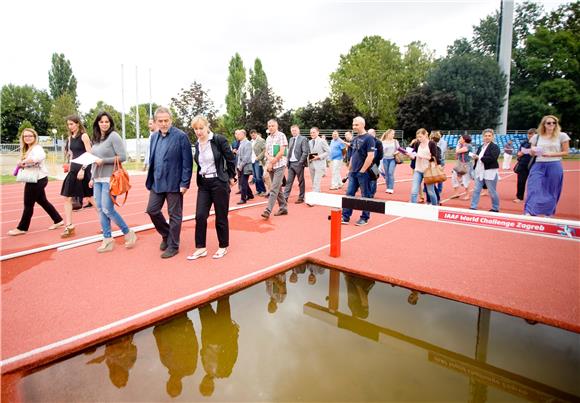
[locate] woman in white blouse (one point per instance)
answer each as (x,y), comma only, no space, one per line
(32,157)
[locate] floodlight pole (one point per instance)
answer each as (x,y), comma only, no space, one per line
(123,103)
(505,56)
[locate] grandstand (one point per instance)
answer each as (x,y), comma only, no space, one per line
(499,139)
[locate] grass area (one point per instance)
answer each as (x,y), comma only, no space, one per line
(5,179)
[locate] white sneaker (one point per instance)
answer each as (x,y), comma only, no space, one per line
(391,191)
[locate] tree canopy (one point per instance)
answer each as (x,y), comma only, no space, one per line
(61,78)
(23,103)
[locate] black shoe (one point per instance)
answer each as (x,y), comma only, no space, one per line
(281,212)
(242,202)
(169,253)
(163,245)
(88,205)
(494,211)
(265,214)
(250,197)
(299,201)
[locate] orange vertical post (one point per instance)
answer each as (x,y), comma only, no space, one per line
(335,220)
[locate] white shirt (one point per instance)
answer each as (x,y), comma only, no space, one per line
(480,172)
(206,160)
(38,156)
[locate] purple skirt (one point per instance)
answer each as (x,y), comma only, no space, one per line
(544,188)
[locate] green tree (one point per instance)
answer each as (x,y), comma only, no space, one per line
(61,78)
(20,103)
(370,74)
(460,47)
(258,79)
(478,86)
(62,107)
(236,97)
(417,62)
(26,124)
(130,128)
(526,110)
(191,102)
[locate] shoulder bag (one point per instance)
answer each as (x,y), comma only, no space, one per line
(119,182)
(434,174)
(28,174)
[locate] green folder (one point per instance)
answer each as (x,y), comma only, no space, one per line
(276,150)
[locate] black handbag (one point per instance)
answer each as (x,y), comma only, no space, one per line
(374,172)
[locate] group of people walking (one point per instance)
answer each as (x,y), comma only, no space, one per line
(171,157)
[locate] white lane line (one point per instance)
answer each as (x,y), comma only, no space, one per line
(208,291)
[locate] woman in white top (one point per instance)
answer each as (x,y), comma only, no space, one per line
(426,152)
(390,149)
(32,157)
(547,175)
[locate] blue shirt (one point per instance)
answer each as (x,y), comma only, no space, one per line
(336,147)
(361,146)
(159,167)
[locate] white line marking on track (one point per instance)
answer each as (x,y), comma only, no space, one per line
(208,291)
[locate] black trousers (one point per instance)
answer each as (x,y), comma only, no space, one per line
(34,193)
(170,232)
(522,179)
(212,191)
(245,186)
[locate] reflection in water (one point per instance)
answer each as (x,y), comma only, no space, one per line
(314,270)
(438,350)
(178,349)
(120,356)
(358,289)
(276,289)
(219,343)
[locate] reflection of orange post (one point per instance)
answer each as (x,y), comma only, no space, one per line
(335,219)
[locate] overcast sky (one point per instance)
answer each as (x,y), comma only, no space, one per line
(180,41)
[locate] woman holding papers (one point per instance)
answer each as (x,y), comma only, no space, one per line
(546,176)
(76,183)
(32,156)
(107,146)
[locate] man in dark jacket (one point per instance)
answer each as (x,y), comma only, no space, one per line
(168,178)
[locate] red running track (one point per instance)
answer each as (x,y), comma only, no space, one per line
(55,303)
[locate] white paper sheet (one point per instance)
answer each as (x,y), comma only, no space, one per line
(85,159)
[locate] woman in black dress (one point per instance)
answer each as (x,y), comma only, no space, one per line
(76,183)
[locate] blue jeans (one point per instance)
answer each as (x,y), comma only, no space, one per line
(389,166)
(356,180)
(491,184)
(417,179)
(106,209)
(258,172)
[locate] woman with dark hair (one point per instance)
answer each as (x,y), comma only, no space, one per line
(76,183)
(107,146)
(546,177)
(32,156)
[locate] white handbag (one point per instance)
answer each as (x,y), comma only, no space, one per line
(28,174)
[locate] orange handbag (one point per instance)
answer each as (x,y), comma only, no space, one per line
(119,182)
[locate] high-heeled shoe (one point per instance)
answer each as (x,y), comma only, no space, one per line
(107,245)
(68,232)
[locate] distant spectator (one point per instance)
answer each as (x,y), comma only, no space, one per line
(336,157)
(463,155)
(547,175)
(508,151)
(486,170)
(523,166)
(319,150)
(258,145)
(390,150)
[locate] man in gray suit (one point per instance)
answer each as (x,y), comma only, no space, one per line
(297,155)
(319,150)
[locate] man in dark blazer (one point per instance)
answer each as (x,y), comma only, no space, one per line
(168,178)
(297,160)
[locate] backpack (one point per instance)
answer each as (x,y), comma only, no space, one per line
(119,182)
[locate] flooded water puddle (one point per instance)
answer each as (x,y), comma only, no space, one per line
(312,334)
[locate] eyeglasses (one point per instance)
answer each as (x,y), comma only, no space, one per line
(550,123)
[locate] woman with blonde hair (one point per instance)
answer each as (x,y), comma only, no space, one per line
(425,154)
(546,177)
(32,156)
(390,150)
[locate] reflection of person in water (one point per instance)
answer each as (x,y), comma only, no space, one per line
(276,289)
(219,343)
(120,356)
(314,270)
(358,289)
(178,350)
(301,269)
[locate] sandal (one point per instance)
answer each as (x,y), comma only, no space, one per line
(68,232)
(198,254)
(221,252)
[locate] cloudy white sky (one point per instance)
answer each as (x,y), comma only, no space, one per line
(299,42)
